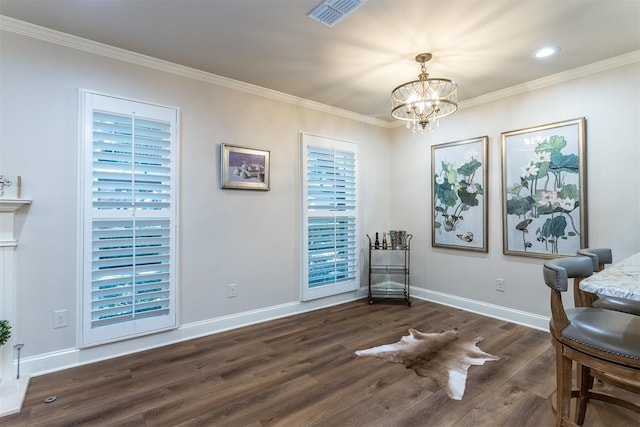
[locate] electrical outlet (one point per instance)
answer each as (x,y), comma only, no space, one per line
(60,319)
(500,285)
(232,291)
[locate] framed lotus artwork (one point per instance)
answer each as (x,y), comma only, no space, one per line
(544,194)
(459,193)
(244,168)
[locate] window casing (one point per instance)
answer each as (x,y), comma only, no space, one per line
(128,192)
(329,225)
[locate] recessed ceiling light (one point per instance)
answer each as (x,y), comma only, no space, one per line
(546,51)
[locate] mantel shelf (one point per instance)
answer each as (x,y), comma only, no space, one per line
(12,205)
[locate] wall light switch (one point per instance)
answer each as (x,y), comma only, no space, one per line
(60,319)
(232,291)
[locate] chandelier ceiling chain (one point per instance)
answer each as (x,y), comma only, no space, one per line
(423,101)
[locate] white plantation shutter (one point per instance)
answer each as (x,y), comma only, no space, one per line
(129,217)
(130,270)
(329,217)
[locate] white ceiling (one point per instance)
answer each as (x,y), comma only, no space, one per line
(483,45)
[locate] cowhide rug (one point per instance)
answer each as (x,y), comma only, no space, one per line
(441,357)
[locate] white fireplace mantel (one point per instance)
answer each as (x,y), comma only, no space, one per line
(12,205)
(12,390)
(8,207)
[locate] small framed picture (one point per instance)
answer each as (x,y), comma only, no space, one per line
(244,168)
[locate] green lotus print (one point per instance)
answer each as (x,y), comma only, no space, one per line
(546,191)
(457,189)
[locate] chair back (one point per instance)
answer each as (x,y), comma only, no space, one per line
(600,256)
(556,272)
(580,297)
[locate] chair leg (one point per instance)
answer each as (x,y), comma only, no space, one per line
(585,384)
(563,386)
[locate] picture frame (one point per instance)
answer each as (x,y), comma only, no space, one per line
(244,168)
(10,187)
(459,190)
(544,190)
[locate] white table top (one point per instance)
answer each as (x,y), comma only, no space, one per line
(620,280)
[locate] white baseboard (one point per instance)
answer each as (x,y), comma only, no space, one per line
(71,357)
(524,318)
(68,358)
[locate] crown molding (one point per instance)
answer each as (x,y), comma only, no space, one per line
(533,85)
(79,43)
(575,73)
(63,39)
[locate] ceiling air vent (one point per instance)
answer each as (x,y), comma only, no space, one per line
(331,11)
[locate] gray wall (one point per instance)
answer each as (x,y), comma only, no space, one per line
(252,238)
(248,238)
(610,101)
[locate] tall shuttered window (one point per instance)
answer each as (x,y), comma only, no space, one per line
(129,218)
(329,177)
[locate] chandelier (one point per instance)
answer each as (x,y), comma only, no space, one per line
(424,101)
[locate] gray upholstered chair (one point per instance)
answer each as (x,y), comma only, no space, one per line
(600,257)
(606,341)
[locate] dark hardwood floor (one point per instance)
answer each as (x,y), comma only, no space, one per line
(302,371)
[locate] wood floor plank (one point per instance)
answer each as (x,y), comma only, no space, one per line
(520,408)
(302,371)
(337,401)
